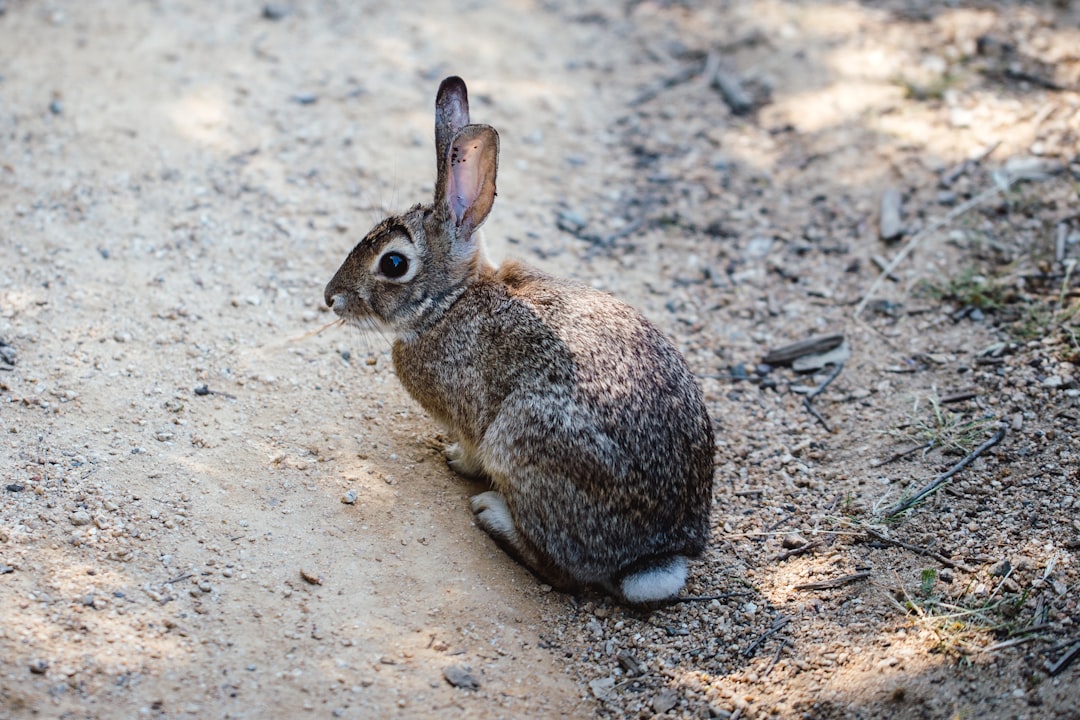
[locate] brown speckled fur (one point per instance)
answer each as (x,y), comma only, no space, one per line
(578,410)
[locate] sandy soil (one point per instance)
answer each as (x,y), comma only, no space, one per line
(213,510)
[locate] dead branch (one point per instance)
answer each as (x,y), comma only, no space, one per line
(778,624)
(802,549)
(1064,661)
(705,598)
(927,552)
(945,476)
(776,656)
(834,583)
(807,400)
(918,237)
(683,75)
(811,346)
(902,454)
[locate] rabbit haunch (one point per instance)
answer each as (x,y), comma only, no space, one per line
(582,416)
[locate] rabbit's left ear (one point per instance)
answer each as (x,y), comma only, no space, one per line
(468,186)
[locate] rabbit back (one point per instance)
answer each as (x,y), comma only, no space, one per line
(582,414)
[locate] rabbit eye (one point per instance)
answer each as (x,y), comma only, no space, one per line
(393,265)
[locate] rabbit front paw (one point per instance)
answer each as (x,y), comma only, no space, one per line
(462,461)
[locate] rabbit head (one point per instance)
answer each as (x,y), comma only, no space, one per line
(412,264)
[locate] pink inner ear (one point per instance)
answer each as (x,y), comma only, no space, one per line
(465,180)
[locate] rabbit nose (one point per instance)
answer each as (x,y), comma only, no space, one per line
(336,302)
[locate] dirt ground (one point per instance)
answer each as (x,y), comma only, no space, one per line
(211,509)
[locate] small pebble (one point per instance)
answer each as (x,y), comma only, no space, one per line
(570,221)
(665,701)
(349,498)
(792,541)
(274,11)
(80,517)
(459,677)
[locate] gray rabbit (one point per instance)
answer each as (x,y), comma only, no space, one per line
(582,416)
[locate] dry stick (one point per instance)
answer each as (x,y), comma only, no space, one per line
(683,75)
(951,176)
(834,583)
(919,551)
(1007,644)
(944,477)
(797,551)
(705,598)
(777,626)
(817,416)
(1064,661)
(178,578)
(959,396)
(817,391)
(825,383)
(902,454)
(776,657)
(918,237)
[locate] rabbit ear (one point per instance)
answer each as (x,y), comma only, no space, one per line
(468,186)
(451,116)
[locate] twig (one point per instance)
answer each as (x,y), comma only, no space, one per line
(902,454)
(817,416)
(797,551)
(204,390)
(778,624)
(811,346)
(834,583)
(881,263)
(959,396)
(706,598)
(776,657)
(825,383)
(918,237)
(944,477)
(1037,80)
(178,578)
(1064,661)
(948,178)
(685,74)
(1007,644)
(817,391)
(919,551)
(731,89)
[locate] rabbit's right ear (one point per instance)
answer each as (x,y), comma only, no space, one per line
(468,186)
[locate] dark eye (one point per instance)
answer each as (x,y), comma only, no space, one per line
(393,265)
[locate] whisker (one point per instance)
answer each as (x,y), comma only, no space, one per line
(316,331)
